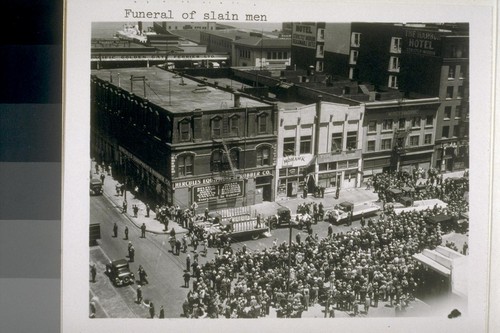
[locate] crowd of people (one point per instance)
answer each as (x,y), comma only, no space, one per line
(450,190)
(344,271)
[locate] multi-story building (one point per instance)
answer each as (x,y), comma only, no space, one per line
(319,145)
(399,135)
(264,53)
(435,62)
(308,43)
(418,60)
(180,141)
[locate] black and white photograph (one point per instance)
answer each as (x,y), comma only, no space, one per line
(242,167)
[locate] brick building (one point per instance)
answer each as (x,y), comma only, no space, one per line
(180,141)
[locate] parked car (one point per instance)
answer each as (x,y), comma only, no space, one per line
(119,272)
(95,186)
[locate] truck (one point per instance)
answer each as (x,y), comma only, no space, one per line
(236,223)
(341,212)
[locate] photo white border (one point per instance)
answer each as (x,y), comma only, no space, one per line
(76,154)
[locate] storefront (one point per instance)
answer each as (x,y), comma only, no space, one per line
(410,162)
(292,175)
(342,174)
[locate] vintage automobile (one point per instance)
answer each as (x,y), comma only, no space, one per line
(95,186)
(283,218)
(119,272)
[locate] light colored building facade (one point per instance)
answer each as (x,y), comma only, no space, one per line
(319,145)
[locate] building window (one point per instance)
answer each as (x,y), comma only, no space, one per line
(386,144)
(319,66)
(184,165)
(387,125)
(416,122)
(460,92)
(337,142)
(446,131)
(396,45)
(449,92)
(235,158)
(354,57)
(401,123)
(320,51)
(216,163)
(268,55)
(352,140)
(456,130)
(393,81)
(262,123)
(355,39)
(463,71)
(289,147)
(414,140)
(451,72)
(447,112)
(429,120)
(220,162)
(321,34)
(305,144)
(185,130)
(234,125)
(371,145)
(394,64)
(263,156)
(428,139)
(216,125)
(372,126)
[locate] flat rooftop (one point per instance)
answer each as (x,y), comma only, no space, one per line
(172,92)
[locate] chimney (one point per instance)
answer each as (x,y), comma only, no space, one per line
(237,102)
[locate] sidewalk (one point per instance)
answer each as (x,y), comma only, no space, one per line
(152,225)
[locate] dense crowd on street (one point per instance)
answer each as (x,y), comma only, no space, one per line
(449,190)
(350,271)
(345,271)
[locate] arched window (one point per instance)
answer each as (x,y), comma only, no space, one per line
(235,158)
(216,160)
(219,160)
(185,165)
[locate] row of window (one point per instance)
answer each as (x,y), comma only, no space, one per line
(305,146)
(220,161)
(338,165)
(245,53)
(395,42)
(450,89)
(387,124)
(277,55)
(386,144)
(452,71)
(217,126)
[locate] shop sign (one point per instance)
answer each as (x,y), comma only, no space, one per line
(210,180)
(294,161)
(218,191)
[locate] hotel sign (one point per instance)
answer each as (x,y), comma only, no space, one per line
(304,35)
(422,42)
(218,191)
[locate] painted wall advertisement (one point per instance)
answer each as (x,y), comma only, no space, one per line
(304,34)
(422,42)
(218,191)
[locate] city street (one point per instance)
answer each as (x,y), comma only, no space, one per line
(164,270)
